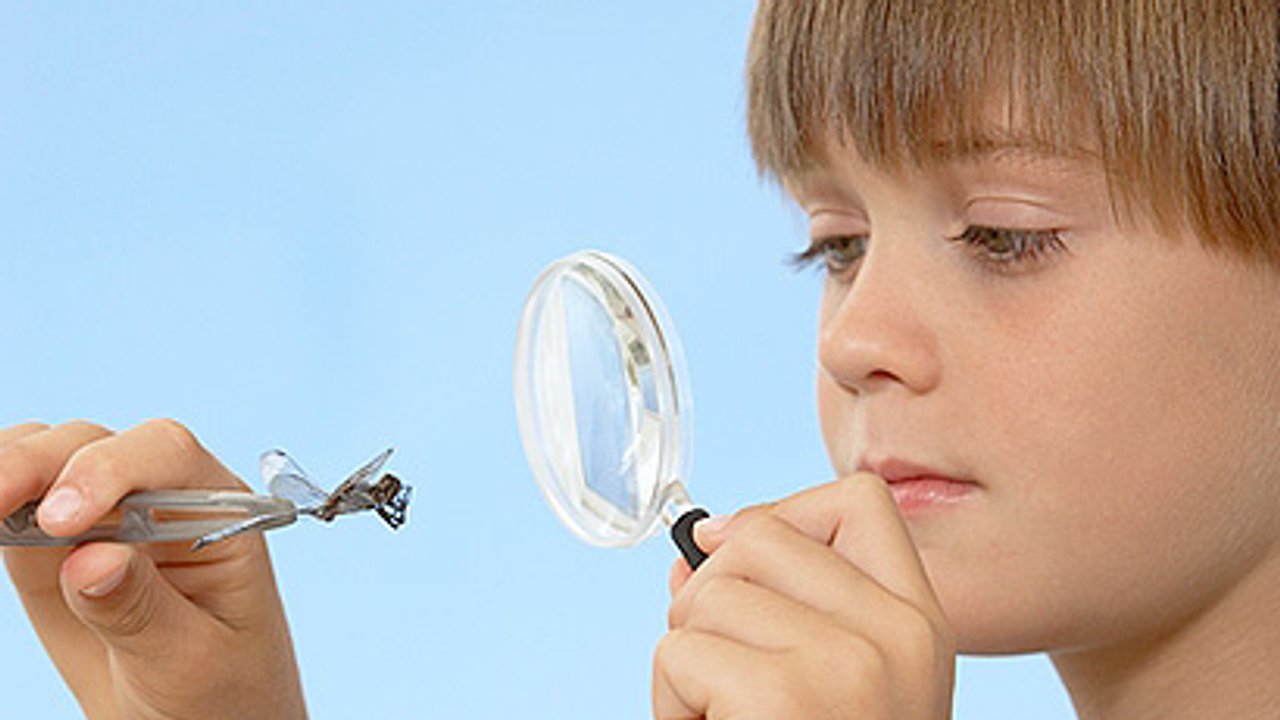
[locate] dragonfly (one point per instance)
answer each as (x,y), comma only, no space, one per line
(209,516)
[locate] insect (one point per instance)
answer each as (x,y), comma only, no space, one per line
(387,496)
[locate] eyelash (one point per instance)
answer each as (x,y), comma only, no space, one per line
(1023,247)
(827,249)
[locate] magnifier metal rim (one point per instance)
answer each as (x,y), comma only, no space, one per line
(671,387)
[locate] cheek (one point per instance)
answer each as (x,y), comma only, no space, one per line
(1132,456)
(1135,411)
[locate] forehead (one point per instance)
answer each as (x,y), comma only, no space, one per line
(994,149)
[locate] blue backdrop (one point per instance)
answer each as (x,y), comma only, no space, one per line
(312,225)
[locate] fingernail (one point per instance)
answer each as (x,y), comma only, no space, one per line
(61,506)
(105,584)
(713,524)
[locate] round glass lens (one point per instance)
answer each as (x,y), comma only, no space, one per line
(600,398)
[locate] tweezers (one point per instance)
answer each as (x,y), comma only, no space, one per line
(162,516)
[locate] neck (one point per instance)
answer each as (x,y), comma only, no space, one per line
(1221,663)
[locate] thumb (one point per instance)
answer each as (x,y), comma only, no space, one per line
(710,533)
(119,594)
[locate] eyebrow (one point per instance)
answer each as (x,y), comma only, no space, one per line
(998,144)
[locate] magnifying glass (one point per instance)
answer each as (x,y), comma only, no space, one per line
(602,399)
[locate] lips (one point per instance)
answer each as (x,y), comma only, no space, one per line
(918,488)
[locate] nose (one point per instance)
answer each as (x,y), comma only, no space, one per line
(875,330)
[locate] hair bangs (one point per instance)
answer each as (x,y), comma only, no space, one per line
(1177,99)
(905,81)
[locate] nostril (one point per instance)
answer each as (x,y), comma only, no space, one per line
(882,376)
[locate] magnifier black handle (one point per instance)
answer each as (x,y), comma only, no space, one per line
(682,534)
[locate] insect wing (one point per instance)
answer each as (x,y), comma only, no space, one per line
(360,478)
(353,494)
(286,480)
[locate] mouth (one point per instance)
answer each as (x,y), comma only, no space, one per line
(918,489)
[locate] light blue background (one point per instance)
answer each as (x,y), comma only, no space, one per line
(312,225)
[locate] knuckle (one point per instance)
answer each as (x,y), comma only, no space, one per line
(920,640)
(855,674)
(753,516)
(668,645)
(179,435)
(915,627)
(852,655)
(82,428)
(675,616)
(869,669)
(27,428)
(755,536)
(752,522)
(678,612)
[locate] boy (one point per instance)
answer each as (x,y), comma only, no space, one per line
(1050,327)
(1047,347)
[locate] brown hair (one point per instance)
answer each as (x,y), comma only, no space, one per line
(1176,98)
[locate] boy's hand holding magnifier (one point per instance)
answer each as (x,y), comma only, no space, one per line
(816,606)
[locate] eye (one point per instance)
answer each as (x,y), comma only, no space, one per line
(840,254)
(1006,248)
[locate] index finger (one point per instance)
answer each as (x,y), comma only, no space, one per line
(857,516)
(155,454)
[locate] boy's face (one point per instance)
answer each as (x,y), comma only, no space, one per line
(1097,404)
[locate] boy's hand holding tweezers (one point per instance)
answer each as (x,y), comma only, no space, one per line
(144,630)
